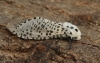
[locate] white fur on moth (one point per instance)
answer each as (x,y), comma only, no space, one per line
(39,28)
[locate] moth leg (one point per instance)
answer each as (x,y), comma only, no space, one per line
(57,40)
(70,43)
(44,40)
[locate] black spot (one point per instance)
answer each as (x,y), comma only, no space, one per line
(66,35)
(23,31)
(43,26)
(64,32)
(54,28)
(47,25)
(40,38)
(62,29)
(49,33)
(26,29)
(67,26)
(53,36)
(21,34)
(44,38)
(34,17)
(16,28)
(31,27)
(24,21)
(39,22)
(30,33)
(38,35)
(47,30)
(38,28)
(20,37)
(34,25)
(76,30)
(29,19)
(50,37)
(24,34)
(50,27)
(70,32)
(57,29)
(39,17)
(20,23)
(71,27)
(55,23)
(57,26)
(13,31)
(27,33)
(39,31)
(33,38)
(30,30)
(46,33)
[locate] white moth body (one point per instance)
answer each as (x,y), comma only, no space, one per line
(39,28)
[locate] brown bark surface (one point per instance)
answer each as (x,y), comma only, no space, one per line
(83,13)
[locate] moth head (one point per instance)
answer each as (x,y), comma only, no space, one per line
(72,31)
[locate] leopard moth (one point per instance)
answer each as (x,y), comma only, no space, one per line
(39,28)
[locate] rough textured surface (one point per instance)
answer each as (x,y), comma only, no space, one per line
(85,14)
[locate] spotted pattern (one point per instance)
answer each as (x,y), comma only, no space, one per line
(39,28)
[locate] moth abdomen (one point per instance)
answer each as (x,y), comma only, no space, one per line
(39,28)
